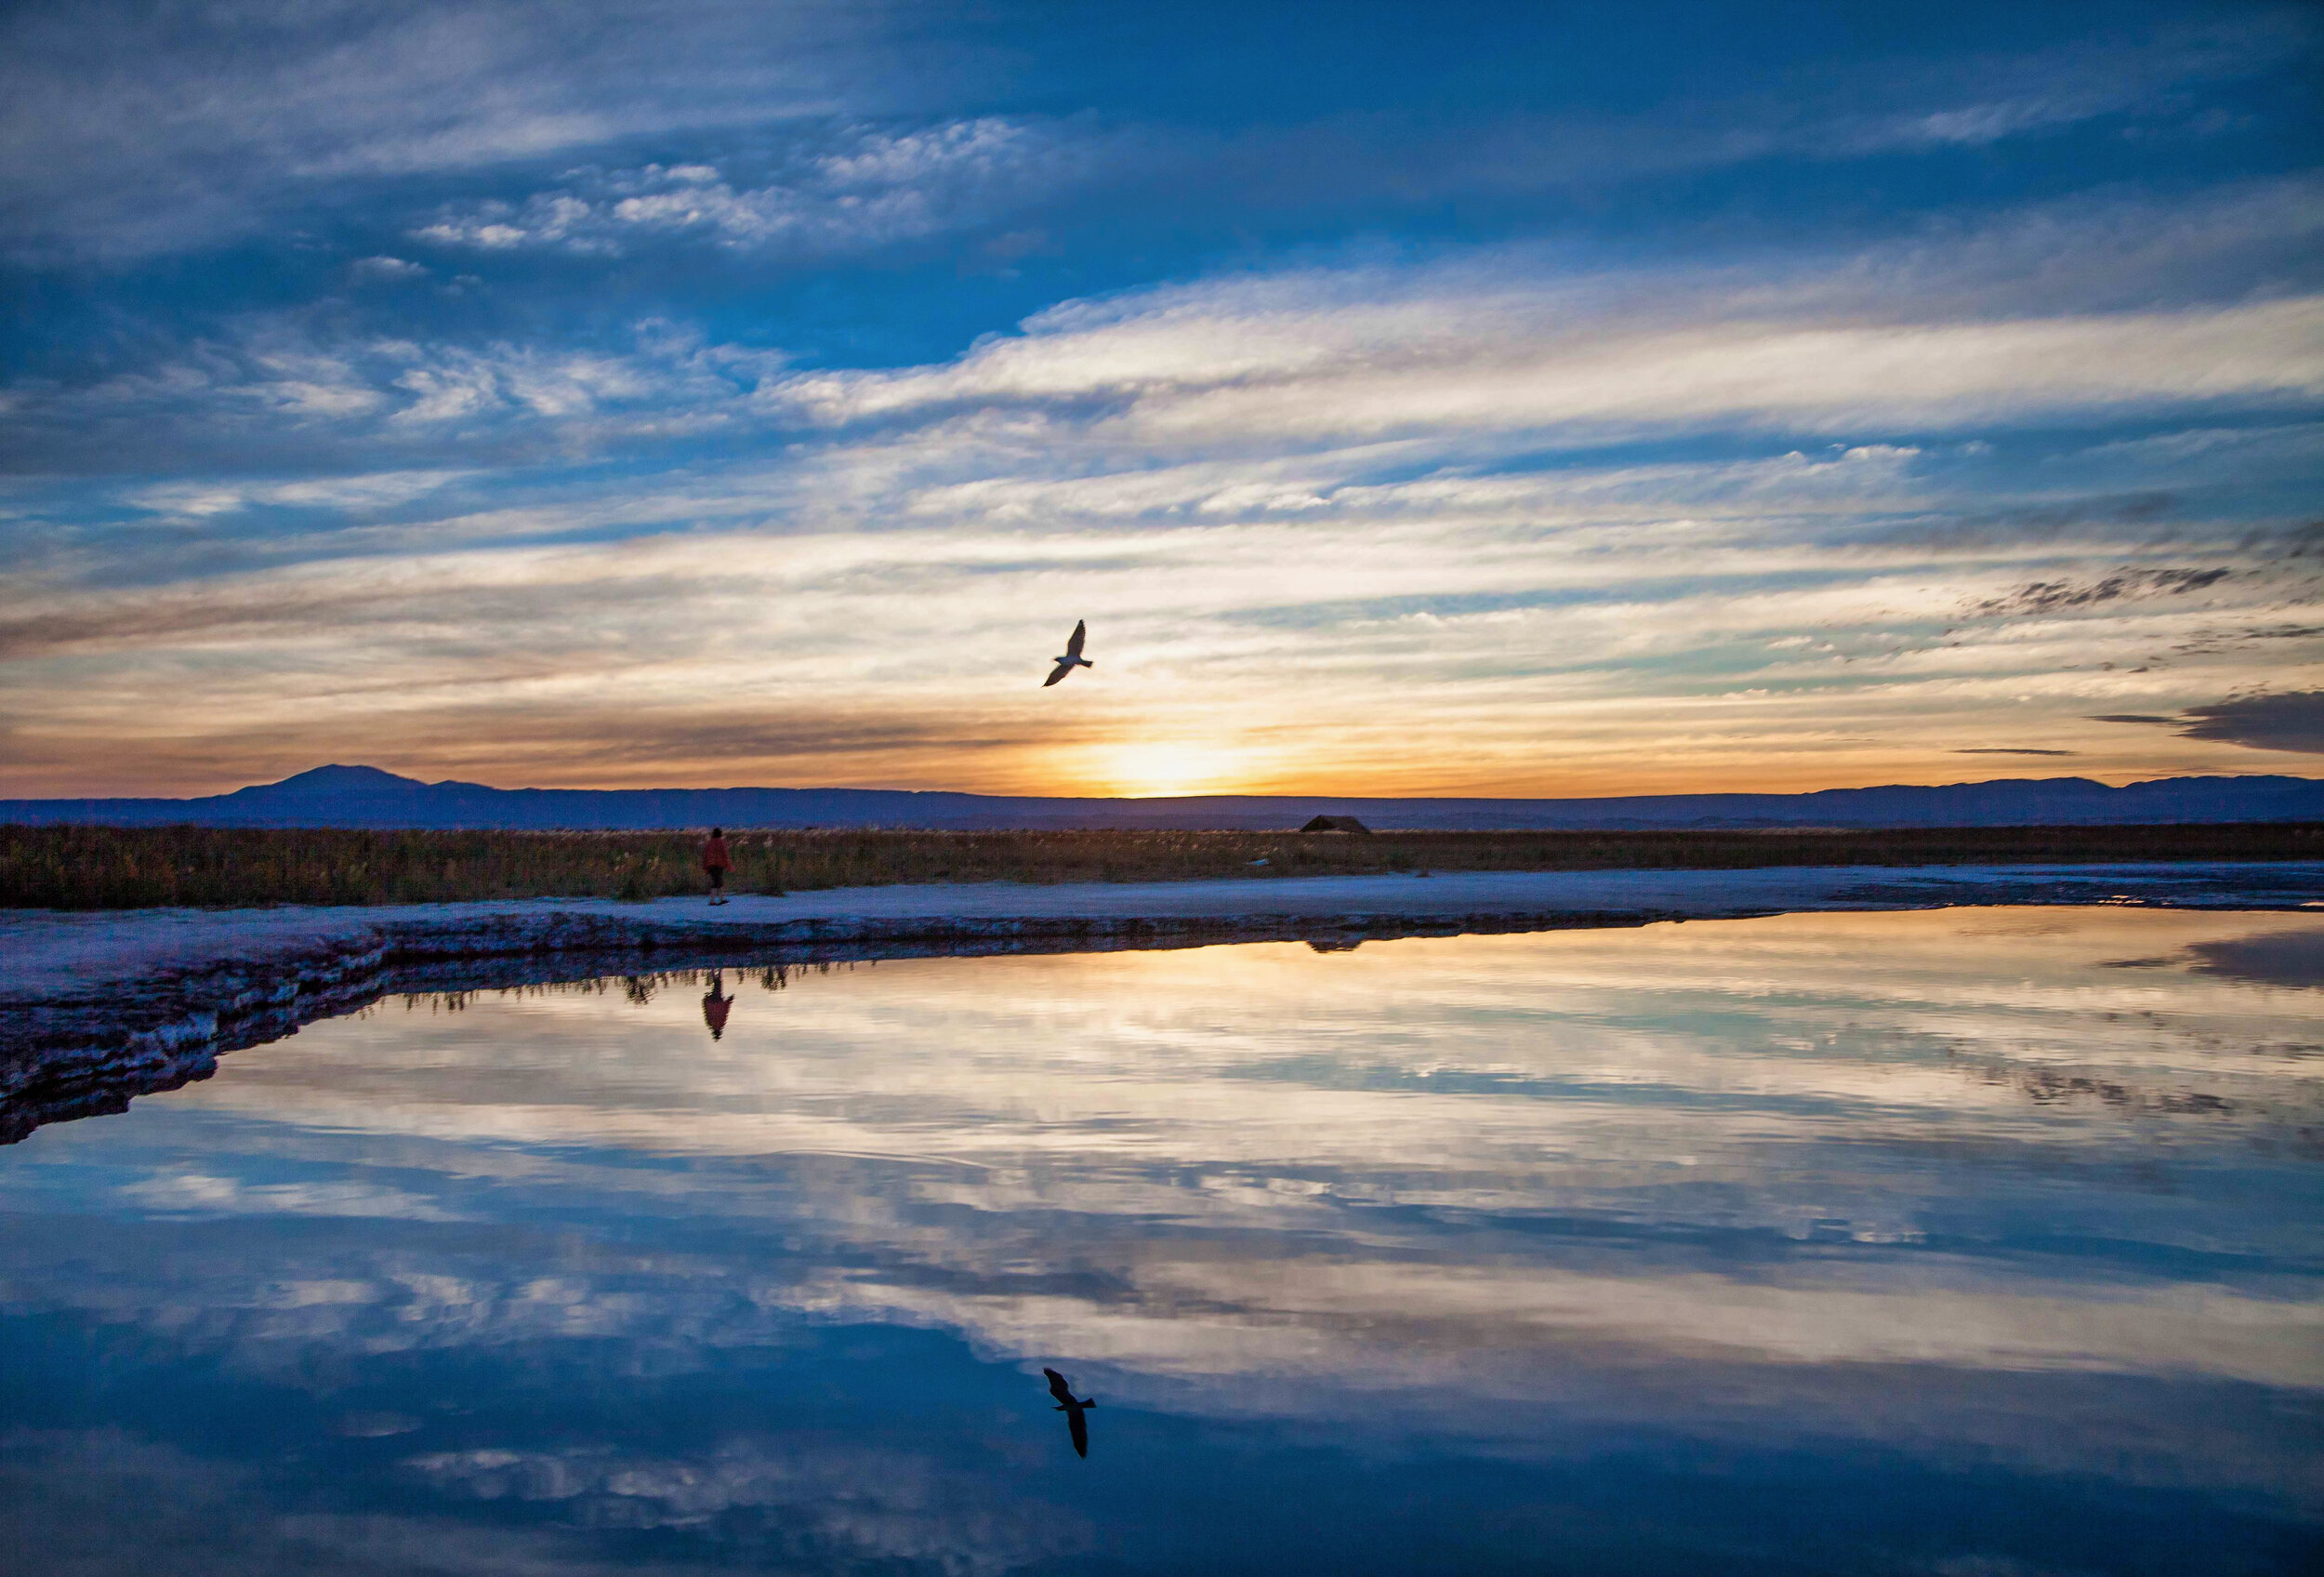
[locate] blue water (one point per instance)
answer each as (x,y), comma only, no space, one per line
(1976,1243)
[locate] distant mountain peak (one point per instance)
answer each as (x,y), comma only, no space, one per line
(340,775)
(326,784)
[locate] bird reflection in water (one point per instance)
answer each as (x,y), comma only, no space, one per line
(717,1004)
(1074,1407)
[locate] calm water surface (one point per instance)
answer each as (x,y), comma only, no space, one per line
(1973,1244)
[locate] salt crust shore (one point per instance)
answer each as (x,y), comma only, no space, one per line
(96,1007)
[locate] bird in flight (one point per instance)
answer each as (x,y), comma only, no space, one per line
(1073,657)
(1072,1407)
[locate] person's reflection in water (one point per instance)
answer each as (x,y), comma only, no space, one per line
(717,1004)
(1073,1408)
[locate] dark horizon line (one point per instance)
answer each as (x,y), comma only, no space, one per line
(373,799)
(378,774)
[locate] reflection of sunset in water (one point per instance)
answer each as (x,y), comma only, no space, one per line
(2004,1191)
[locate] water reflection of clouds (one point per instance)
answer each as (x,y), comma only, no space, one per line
(189,1193)
(1940,1180)
(1470,1071)
(103,1500)
(866,1503)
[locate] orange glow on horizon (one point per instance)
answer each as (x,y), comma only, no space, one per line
(1172,767)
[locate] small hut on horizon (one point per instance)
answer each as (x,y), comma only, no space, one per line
(1337,824)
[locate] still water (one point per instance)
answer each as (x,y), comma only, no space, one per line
(1974,1243)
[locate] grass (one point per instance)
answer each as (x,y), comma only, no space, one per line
(104,868)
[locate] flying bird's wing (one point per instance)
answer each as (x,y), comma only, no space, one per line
(1057,1387)
(1057,673)
(1080,1428)
(1081,634)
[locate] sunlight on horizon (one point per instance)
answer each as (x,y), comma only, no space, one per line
(1170,769)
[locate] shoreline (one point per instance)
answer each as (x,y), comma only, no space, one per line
(99,1006)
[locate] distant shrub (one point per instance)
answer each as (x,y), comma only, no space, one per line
(108,868)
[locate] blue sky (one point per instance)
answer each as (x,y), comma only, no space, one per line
(1540,400)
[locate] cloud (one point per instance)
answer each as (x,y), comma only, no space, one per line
(1208,368)
(1481,352)
(1553,618)
(2284,721)
(279,395)
(127,137)
(873,189)
(245,120)
(1587,520)
(226,494)
(2045,597)
(2288,720)
(1940,332)
(845,188)
(2009,750)
(2010,96)
(387,268)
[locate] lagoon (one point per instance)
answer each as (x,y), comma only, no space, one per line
(1963,1241)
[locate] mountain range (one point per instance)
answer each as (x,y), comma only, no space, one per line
(368,796)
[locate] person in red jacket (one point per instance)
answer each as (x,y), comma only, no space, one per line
(716,863)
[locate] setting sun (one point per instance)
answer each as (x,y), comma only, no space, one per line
(1153,771)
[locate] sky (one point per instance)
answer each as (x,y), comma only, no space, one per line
(1533,400)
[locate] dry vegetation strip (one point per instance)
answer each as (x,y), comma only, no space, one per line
(101,868)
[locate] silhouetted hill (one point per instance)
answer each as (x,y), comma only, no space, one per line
(364,795)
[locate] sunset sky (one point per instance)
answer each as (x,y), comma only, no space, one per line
(1507,399)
